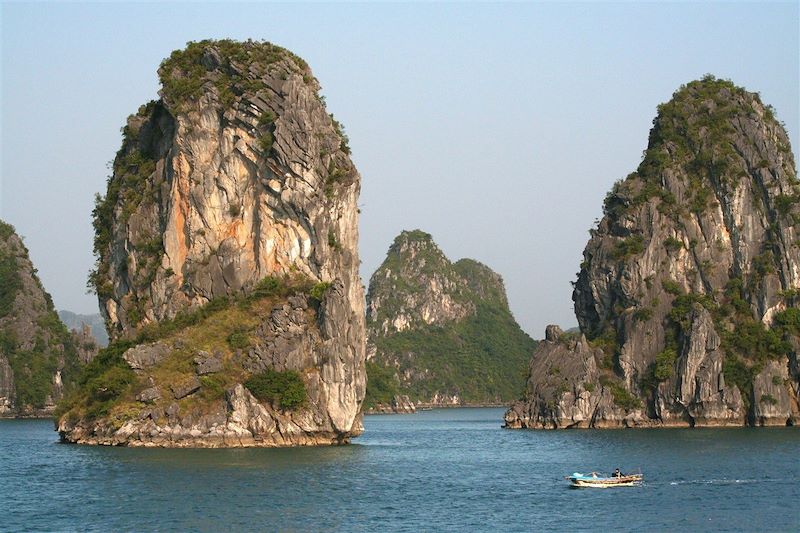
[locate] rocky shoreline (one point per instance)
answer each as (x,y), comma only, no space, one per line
(240,422)
(402,405)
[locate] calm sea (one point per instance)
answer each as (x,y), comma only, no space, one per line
(441,470)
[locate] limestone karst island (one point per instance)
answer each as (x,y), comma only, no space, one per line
(227,264)
(39,358)
(688,293)
(440,334)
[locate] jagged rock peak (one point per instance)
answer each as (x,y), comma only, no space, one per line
(691,275)
(440,332)
(236,186)
(552,333)
(415,285)
(38,357)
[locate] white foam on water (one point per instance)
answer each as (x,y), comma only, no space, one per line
(718,481)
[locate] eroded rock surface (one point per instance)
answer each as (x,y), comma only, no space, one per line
(688,292)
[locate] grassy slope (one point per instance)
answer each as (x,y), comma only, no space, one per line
(108,387)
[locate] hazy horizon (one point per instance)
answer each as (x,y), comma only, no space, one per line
(497,128)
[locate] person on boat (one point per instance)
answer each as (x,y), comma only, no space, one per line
(616,473)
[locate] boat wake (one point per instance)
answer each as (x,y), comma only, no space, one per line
(719,481)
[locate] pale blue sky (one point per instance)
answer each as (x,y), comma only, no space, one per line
(498,128)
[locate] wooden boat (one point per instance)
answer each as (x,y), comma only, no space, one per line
(594,480)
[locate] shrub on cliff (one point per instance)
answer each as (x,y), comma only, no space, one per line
(285,389)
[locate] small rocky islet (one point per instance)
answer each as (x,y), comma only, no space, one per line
(227,277)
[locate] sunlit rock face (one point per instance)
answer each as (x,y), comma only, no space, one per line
(236,174)
(687,295)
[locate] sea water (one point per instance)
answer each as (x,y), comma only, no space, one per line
(440,470)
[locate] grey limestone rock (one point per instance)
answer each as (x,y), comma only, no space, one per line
(149,395)
(552,333)
(145,356)
(85,343)
(185,388)
(7,389)
(400,404)
(207,363)
(773,394)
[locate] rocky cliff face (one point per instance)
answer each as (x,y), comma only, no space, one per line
(236,187)
(440,332)
(37,355)
(687,297)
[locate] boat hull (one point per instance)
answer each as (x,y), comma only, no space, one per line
(581,481)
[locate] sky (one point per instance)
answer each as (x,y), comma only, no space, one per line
(497,128)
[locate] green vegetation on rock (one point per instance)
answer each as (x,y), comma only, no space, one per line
(482,359)
(100,383)
(627,247)
(382,384)
(185,72)
(128,189)
(622,398)
(692,134)
(285,389)
(10,282)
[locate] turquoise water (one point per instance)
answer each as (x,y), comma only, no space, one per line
(441,470)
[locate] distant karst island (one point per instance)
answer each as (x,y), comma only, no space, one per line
(39,358)
(440,334)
